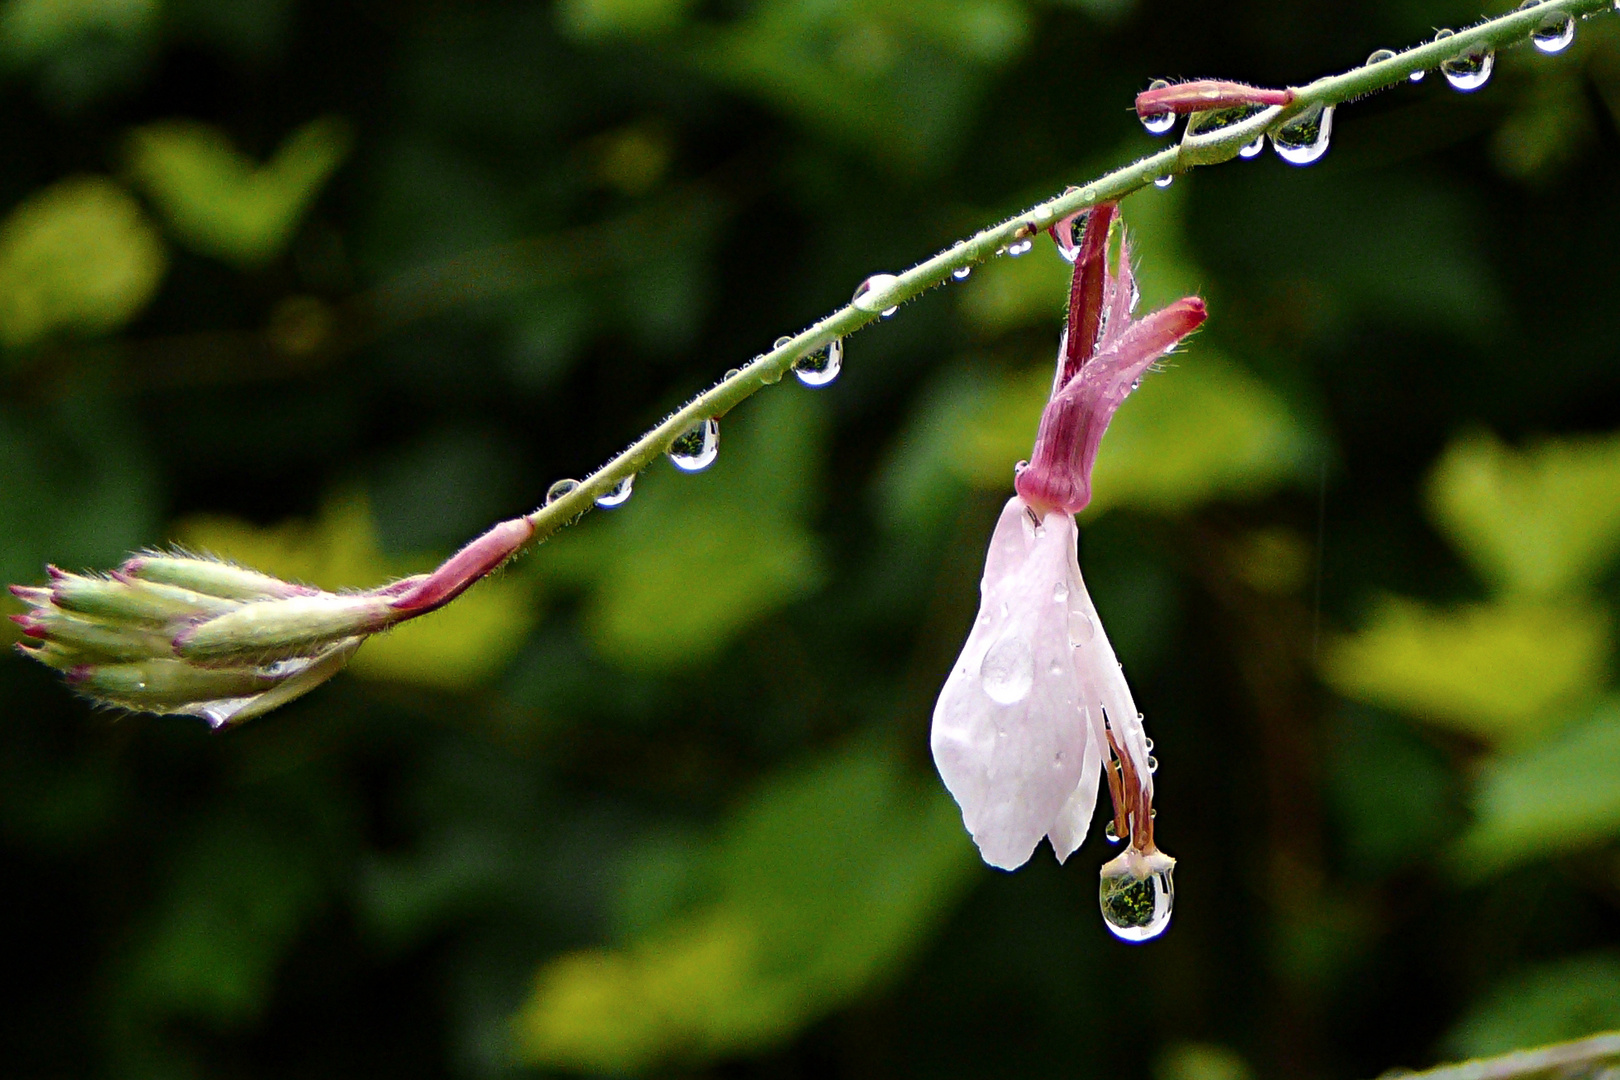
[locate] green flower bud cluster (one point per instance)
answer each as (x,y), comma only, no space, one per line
(178,634)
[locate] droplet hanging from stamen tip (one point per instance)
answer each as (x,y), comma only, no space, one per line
(696,448)
(1137,894)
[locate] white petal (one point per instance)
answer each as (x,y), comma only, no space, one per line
(1008,736)
(1069,830)
(1103,686)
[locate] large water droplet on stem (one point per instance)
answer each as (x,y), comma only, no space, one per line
(1379,56)
(1159,123)
(1305,138)
(618,494)
(871,294)
(1469,69)
(822,367)
(559,489)
(1136,894)
(1554,33)
(696,448)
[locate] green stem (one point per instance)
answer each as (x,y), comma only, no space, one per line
(1584,1057)
(1193,150)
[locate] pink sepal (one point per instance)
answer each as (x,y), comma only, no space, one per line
(1203,95)
(463,568)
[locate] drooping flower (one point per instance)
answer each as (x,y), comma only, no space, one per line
(174,633)
(1036,709)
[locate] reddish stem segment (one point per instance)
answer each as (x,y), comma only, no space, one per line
(1203,95)
(463,568)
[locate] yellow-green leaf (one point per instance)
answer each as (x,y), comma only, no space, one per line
(825,882)
(77,256)
(1542,520)
(1499,672)
(224,204)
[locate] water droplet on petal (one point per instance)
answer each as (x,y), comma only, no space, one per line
(1554,33)
(1136,894)
(1304,139)
(1008,670)
(1060,592)
(1055,667)
(1159,123)
(1379,56)
(696,448)
(821,367)
(559,489)
(618,494)
(1252,150)
(1149,744)
(1152,764)
(871,294)
(1081,628)
(1018,247)
(1468,70)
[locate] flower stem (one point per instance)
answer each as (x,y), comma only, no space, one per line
(1206,148)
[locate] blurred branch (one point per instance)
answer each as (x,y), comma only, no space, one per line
(1598,1056)
(886,292)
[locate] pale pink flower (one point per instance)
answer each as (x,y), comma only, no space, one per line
(1036,709)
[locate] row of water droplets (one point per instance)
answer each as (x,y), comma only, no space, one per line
(1305,138)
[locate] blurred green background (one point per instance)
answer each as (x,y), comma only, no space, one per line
(330,287)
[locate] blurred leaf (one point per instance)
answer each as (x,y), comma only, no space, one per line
(694,559)
(1203,430)
(222,203)
(1552,1003)
(77,488)
(825,883)
(456,647)
(1504,672)
(1542,520)
(595,20)
(1549,128)
(34,28)
(1201,1061)
(78,255)
(896,77)
(1557,795)
(1006,293)
(235,902)
(1393,796)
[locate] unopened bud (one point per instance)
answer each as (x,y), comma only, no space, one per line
(278,629)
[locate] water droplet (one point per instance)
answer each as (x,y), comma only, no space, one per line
(1008,670)
(1060,592)
(821,367)
(1081,628)
(1305,139)
(870,294)
(1165,181)
(1152,764)
(961,273)
(1055,667)
(1554,33)
(1417,76)
(618,494)
(1136,895)
(1018,247)
(696,448)
(1203,123)
(781,341)
(1149,744)
(1110,834)
(1468,70)
(559,489)
(1252,150)
(1159,123)
(1379,56)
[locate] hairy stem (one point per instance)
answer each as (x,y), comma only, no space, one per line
(1193,150)
(1592,1057)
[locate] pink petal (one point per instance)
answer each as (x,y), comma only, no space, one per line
(1008,736)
